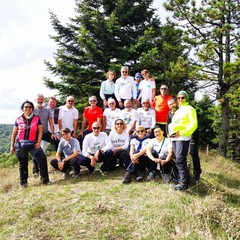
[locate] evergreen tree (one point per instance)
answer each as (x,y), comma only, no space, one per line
(107,34)
(211,28)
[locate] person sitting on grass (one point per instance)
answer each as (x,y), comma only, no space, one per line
(139,161)
(119,138)
(69,148)
(97,148)
(159,150)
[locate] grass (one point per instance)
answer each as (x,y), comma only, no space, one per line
(101,207)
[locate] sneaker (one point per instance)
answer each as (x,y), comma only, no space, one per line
(151,176)
(179,187)
(36,174)
(47,183)
(75,174)
(196,178)
(139,177)
(166,178)
(127,178)
(65,174)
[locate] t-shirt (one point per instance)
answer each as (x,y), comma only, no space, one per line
(146,88)
(164,146)
(136,142)
(68,147)
(160,104)
(147,119)
(129,117)
(44,115)
(68,115)
(119,140)
(91,143)
(111,116)
(92,115)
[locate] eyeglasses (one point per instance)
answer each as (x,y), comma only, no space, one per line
(140,131)
(27,107)
(124,71)
(181,97)
(119,123)
(92,100)
(70,100)
(163,89)
(96,128)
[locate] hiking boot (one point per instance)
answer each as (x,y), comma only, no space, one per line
(179,187)
(127,178)
(139,177)
(151,176)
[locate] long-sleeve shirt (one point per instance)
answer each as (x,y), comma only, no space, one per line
(125,88)
(107,87)
(185,121)
(119,140)
(91,143)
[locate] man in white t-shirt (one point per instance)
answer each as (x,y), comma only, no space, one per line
(147,117)
(68,116)
(97,148)
(110,114)
(129,116)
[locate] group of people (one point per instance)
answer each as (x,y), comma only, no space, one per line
(135,129)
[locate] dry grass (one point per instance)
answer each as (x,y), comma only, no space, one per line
(101,207)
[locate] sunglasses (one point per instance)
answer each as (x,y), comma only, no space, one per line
(181,97)
(96,128)
(27,107)
(119,123)
(92,100)
(140,131)
(124,71)
(163,88)
(70,100)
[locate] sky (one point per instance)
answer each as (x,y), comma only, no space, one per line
(24,45)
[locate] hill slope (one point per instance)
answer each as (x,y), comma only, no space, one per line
(101,207)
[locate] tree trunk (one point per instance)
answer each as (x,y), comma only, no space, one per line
(224,128)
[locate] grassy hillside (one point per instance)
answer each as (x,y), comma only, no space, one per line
(101,207)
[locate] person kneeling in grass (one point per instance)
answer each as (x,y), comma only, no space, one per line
(68,154)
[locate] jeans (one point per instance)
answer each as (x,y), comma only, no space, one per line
(71,163)
(143,163)
(46,137)
(123,157)
(193,150)
(106,158)
(166,168)
(180,149)
(38,155)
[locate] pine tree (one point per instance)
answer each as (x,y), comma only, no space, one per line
(212,29)
(106,34)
